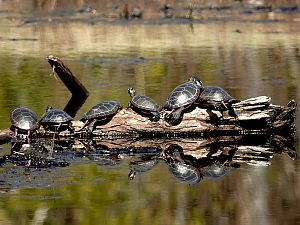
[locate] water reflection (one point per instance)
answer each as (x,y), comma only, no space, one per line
(188,162)
(259,60)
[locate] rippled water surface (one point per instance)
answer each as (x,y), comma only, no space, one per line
(247,59)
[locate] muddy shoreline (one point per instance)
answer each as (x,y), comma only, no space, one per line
(149,12)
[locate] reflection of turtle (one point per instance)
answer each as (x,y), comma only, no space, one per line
(214,97)
(104,160)
(215,171)
(141,167)
(184,172)
(179,168)
(182,97)
(101,112)
(144,105)
(56,120)
(23,119)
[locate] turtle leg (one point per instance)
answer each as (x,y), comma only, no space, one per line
(90,127)
(174,117)
(57,130)
(71,128)
(14,137)
(129,105)
(155,116)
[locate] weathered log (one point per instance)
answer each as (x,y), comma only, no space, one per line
(254,115)
(78,91)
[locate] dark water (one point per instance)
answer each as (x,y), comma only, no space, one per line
(260,59)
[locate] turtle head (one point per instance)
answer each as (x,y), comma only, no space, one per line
(49,107)
(197,81)
(131,91)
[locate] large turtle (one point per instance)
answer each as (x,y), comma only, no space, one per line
(102,112)
(215,97)
(23,120)
(144,105)
(56,120)
(181,98)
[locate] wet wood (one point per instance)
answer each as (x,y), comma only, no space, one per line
(78,91)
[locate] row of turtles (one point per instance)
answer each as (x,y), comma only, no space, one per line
(184,97)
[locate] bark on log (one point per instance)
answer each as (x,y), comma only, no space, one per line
(253,116)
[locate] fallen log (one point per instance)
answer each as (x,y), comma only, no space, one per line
(253,116)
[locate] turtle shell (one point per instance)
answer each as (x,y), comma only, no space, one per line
(55,116)
(102,110)
(24,118)
(183,95)
(215,94)
(184,173)
(144,103)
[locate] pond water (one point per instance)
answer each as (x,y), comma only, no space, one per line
(247,59)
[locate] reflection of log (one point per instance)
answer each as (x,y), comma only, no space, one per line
(250,149)
(79,92)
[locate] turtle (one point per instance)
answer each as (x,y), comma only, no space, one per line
(56,120)
(144,105)
(23,120)
(102,112)
(181,98)
(216,98)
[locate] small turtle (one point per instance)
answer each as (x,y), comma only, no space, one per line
(144,105)
(56,120)
(215,97)
(181,98)
(102,112)
(23,120)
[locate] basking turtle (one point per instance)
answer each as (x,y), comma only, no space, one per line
(23,120)
(144,105)
(215,97)
(56,120)
(181,98)
(102,112)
